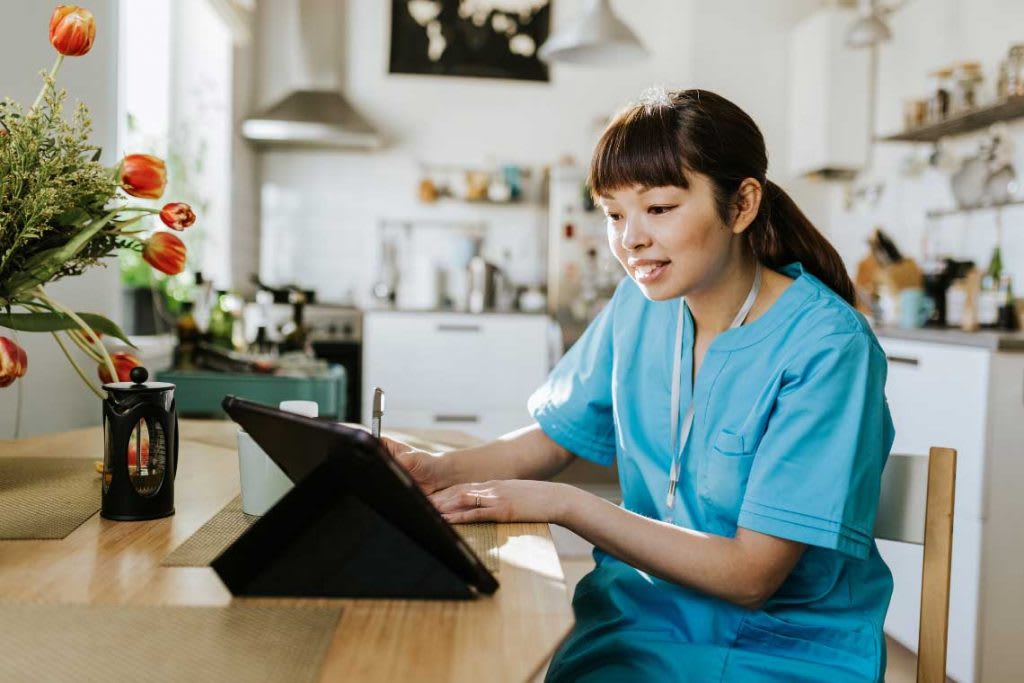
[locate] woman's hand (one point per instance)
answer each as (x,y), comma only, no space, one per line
(505,501)
(427,469)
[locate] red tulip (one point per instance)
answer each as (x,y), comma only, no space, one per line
(177,215)
(132,455)
(144,175)
(13,362)
(165,252)
(123,363)
(72,30)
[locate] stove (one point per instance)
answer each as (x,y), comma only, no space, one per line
(336,335)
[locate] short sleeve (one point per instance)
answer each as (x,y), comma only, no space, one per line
(574,405)
(817,471)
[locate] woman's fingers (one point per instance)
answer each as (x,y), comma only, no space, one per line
(472,515)
(395,446)
(464,497)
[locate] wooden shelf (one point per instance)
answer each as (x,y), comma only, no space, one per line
(967,122)
(938,213)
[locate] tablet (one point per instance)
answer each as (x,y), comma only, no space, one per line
(363,466)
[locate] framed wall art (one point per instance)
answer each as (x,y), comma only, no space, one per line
(478,38)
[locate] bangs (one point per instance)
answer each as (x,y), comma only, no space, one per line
(639,147)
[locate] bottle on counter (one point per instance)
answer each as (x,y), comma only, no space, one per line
(221,322)
(204,300)
(296,334)
(972,285)
(991,296)
(188,337)
(1008,319)
(956,301)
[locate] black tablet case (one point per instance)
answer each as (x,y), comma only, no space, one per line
(352,527)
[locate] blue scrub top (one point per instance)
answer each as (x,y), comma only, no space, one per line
(791,431)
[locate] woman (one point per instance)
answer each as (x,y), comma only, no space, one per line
(742,398)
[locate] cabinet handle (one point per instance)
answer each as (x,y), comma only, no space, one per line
(452,327)
(904,360)
(456,418)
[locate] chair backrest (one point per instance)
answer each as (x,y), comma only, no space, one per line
(916,506)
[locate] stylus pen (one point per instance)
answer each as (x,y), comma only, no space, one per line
(378,411)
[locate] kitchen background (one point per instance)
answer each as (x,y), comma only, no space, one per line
(368,233)
(315,217)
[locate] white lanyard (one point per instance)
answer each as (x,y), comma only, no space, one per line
(677,378)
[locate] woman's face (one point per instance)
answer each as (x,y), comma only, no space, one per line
(670,240)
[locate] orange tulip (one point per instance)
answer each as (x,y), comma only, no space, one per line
(165,252)
(72,30)
(144,176)
(123,363)
(13,362)
(133,456)
(177,215)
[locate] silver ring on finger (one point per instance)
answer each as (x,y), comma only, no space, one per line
(477,501)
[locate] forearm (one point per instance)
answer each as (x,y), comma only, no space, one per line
(527,453)
(712,564)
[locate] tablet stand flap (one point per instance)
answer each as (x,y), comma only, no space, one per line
(321,540)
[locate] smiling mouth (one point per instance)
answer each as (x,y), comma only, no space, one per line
(649,272)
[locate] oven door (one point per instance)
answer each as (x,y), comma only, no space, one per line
(347,354)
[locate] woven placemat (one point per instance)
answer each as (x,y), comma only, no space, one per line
(202,547)
(104,643)
(46,498)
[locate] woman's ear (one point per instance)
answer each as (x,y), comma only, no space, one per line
(748,202)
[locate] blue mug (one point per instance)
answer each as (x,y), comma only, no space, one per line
(915,308)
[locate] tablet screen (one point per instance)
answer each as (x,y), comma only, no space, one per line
(299,445)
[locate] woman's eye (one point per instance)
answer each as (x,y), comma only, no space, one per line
(613,216)
(658,210)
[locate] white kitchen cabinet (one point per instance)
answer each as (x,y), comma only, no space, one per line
(970,399)
(828,96)
(459,371)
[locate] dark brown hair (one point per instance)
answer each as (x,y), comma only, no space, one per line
(671,133)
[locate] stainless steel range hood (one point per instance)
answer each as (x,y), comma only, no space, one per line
(306,39)
(311,118)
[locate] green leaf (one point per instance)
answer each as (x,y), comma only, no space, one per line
(41,267)
(54,322)
(77,217)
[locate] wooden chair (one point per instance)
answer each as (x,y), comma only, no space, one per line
(916,506)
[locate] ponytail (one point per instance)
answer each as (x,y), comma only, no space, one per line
(782,234)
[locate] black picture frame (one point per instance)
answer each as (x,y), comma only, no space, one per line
(473,47)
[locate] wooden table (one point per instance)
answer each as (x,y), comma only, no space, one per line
(505,637)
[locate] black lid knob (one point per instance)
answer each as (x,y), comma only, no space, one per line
(139,374)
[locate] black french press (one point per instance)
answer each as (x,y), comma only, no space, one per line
(140,448)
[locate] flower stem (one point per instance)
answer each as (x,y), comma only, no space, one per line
(75,366)
(86,346)
(119,227)
(60,308)
(46,83)
(78,337)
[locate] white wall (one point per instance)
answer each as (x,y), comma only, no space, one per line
(200,110)
(54,398)
(928,34)
(324,226)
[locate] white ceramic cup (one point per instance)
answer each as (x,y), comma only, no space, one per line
(263,483)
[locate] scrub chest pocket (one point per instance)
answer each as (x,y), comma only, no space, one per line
(722,479)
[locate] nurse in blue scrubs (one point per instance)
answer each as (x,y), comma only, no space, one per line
(741,396)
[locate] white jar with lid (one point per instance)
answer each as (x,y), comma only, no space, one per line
(262,481)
